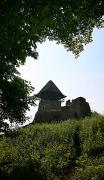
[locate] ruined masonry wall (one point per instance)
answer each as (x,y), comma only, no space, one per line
(49,105)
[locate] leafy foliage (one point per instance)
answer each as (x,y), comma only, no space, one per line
(91,163)
(49,151)
(45,146)
(90,168)
(15,95)
(23,23)
(15,98)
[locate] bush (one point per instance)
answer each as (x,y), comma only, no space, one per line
(51,151)
(49,148)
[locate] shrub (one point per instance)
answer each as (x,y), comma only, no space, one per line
(51,151)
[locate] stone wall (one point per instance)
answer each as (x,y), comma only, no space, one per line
(79,108)
(75,109)
(49,105)
(45,116)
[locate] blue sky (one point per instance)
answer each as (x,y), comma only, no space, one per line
(83,76)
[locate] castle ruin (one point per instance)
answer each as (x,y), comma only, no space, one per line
(50,108)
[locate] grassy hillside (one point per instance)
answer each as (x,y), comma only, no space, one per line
(67,150)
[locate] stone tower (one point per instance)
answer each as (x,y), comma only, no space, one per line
(50,98)
(50,103)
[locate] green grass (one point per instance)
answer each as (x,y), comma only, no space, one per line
(51,151)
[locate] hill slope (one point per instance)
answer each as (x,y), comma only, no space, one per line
(55,151)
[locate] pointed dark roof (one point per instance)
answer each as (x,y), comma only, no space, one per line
(50,91)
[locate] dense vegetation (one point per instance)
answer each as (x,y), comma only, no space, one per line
(55,151)
(45,151)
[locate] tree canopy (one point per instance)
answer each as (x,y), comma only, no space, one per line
(24,23)
(15,100)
